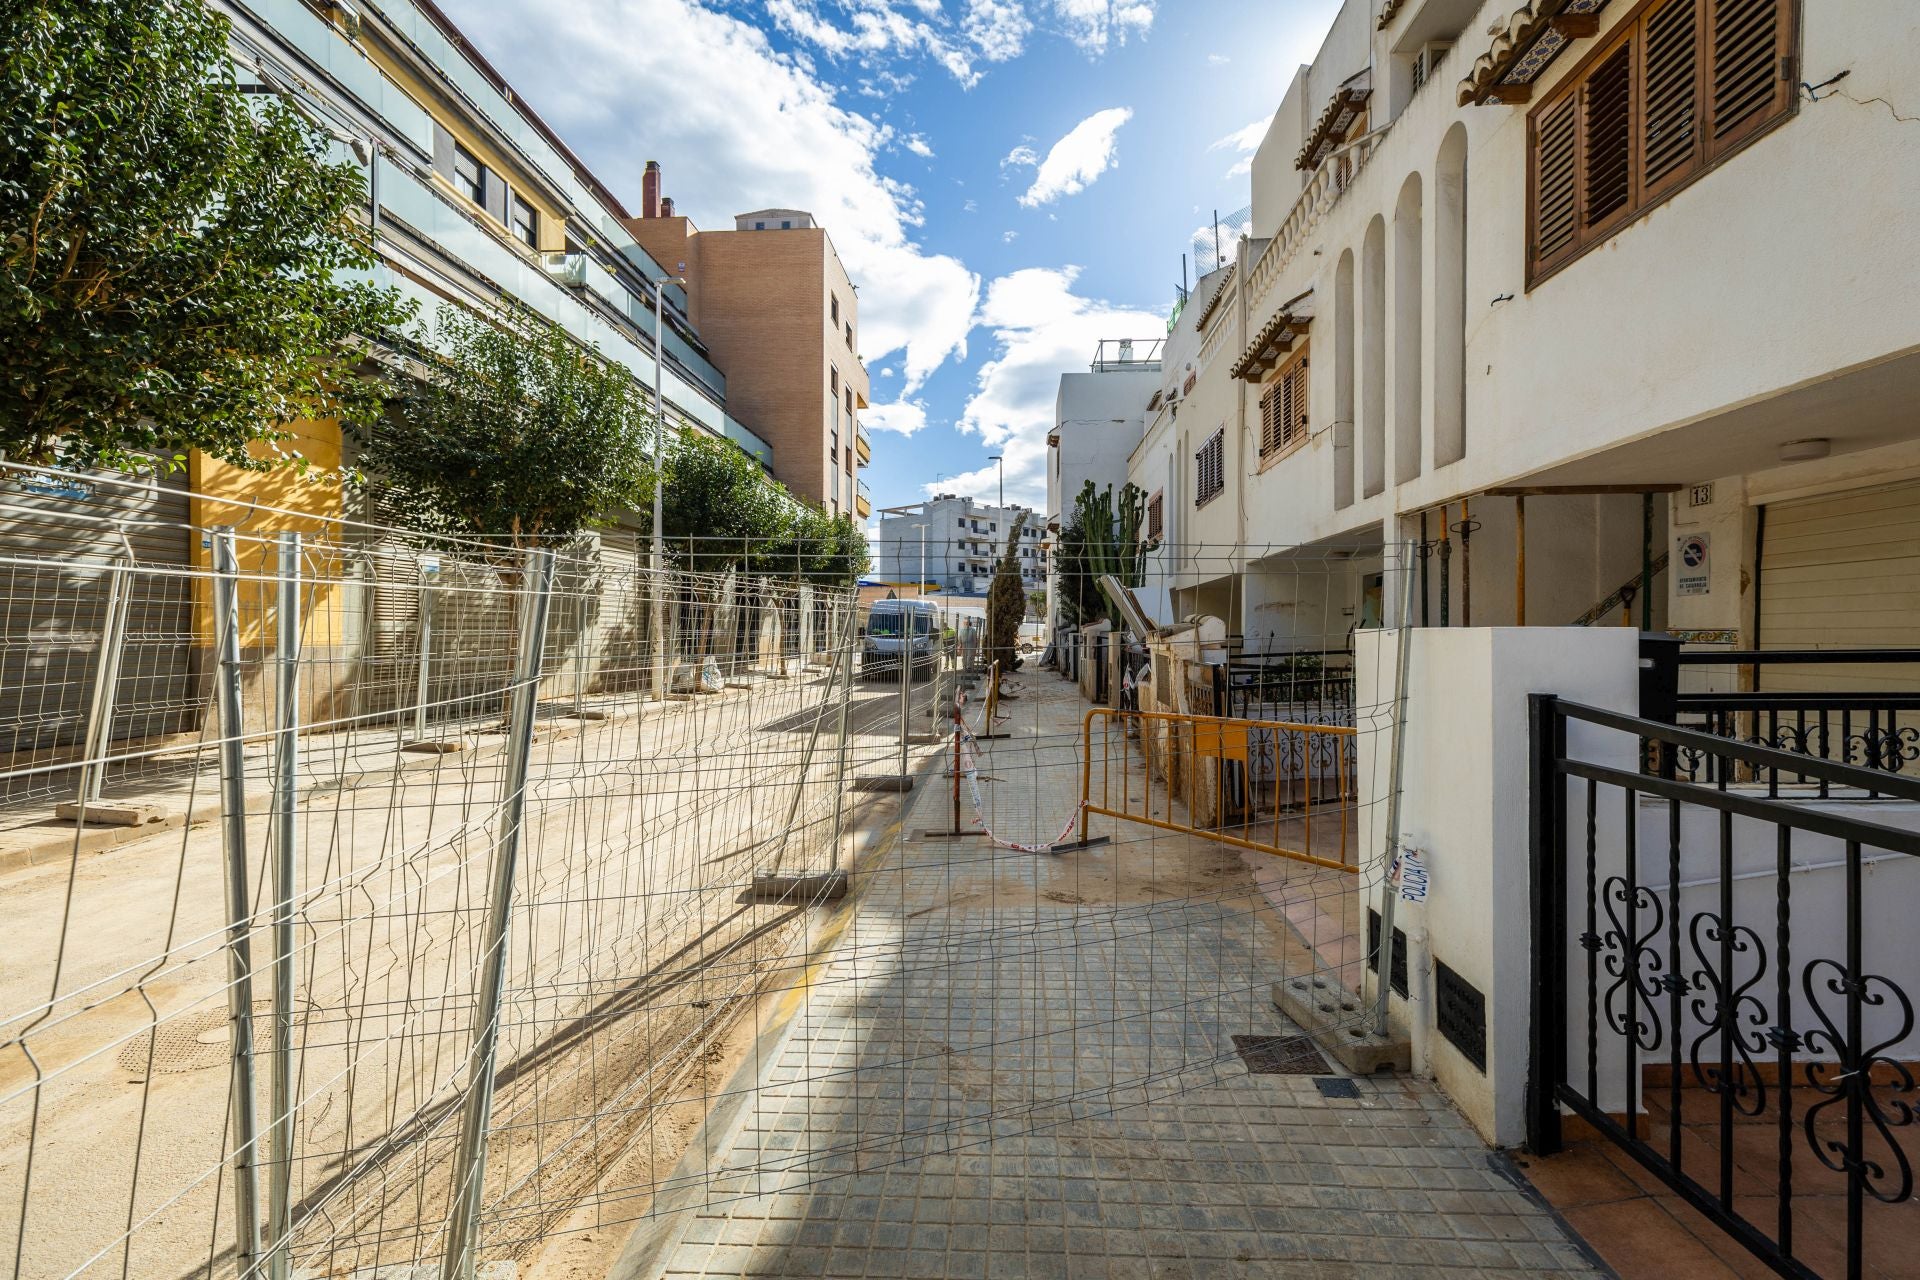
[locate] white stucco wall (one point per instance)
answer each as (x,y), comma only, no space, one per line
(1464,804)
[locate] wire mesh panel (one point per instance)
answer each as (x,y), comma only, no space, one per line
(485,917)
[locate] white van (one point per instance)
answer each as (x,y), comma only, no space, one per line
(897,627)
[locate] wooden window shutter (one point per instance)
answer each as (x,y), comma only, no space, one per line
(1747,79)
(1555,189)
(1669,118)
(1606,140)
(1294,405)
(1270,418)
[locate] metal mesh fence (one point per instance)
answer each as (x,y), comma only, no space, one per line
(483,904)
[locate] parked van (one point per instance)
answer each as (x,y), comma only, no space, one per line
(897,627)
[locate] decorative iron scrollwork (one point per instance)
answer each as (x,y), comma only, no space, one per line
(1850,1080)
(1634,966)
(1726,1005)
(1887,748)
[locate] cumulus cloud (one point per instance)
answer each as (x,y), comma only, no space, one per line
(789,143)
(1089,149)
(902,416)
(918,144)
(1243,142)
(1041,329)
(877,30)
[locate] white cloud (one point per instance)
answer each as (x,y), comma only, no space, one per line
(997,28)
(876,30)
(1094,24)
(1243,141)
(1020,155)
(787,143)
(1218,59)
(1009,236)
(1076,160)
(918,144)
(1041,329)
(903,416)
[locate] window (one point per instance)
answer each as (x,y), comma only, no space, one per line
(1210,469)
(1677,88)
(1156,513)
(833,381)
(849,453)
(786,225)
(849,335)
(526,222)
(833,307)
(759,226)
(1283,409)
(849,404)
(469,175)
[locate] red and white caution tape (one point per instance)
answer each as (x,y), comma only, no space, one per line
(967,763)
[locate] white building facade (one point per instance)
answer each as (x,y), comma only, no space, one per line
(964,540)
(1622,299)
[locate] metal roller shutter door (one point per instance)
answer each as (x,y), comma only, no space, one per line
(1842,572)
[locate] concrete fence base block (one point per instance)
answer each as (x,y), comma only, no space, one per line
(826,886)
(1341,1025)
(435,747)
(113,813)
(884,782)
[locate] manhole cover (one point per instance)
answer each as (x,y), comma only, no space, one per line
(194,1041)
(1279,1055)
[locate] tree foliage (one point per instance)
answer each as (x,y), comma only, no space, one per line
(176,256)
(720,510)
(1007,604)
(512,429)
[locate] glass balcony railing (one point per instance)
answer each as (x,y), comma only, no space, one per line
(492,104)
(433,216)
(865,494)
(353,70)
(862,445)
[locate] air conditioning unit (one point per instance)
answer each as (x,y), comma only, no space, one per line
(1428,61)
(569,269)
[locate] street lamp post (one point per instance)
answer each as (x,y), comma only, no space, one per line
(1001,460)
(658,623)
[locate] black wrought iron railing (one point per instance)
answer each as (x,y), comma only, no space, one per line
(1877,731)
(1721,978)
(1313,687)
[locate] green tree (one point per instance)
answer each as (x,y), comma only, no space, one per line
(512,429)
(1007,604)
(719,507)
(176,257)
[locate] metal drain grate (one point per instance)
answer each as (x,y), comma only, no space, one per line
(193,1042)
(1280,1055)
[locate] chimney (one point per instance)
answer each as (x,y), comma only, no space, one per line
(650,190)
(666,206)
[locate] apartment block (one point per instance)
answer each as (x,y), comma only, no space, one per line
(779,312)
(962,542)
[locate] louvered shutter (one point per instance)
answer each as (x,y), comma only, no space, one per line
(1669,118)
(1747,84)
(1270,418)
(1555,191)
(1294,425)
(1606,140)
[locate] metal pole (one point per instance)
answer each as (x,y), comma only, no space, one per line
(1520,561)
(659,626)
(286,767)
(106,678)
(1388,894)
(1646,561)
(910,624)
(233,840)
(1446,569)
(470,1167)
(844,640)
(1466,565)
(420,695)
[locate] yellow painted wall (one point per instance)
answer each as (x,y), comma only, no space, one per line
(259,506)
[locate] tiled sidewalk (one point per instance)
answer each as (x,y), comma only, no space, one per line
(1017,1065)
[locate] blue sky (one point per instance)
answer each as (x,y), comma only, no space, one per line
(1007,180)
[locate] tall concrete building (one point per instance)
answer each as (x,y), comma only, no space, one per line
(964,542)
(780,314)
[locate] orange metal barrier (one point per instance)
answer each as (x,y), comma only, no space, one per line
(1263,785)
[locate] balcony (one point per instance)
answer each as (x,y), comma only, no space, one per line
(1331,177)
(862,499)
(1116,354)
(862,445)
